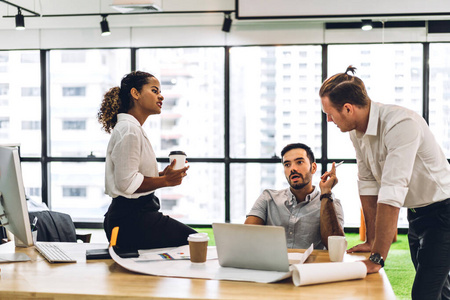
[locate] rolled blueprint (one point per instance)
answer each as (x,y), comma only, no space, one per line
(305,274)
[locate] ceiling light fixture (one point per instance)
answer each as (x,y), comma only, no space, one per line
(366,25)
(226,23)
(104,26)
(20,20)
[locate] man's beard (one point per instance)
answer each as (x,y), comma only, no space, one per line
(300,185)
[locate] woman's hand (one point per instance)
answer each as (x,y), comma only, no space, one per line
(162,173)
(173,177)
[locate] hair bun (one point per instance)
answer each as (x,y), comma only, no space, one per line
(350,69)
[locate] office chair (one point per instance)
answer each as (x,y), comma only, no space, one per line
(55,226)
(3,235)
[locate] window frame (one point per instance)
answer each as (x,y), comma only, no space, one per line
(46,159)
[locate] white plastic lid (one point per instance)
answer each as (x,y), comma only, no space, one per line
(198,237)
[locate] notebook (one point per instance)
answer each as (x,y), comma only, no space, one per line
(254,247)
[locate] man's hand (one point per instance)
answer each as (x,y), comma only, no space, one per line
(328,180)
(371,266)
(329,223)
(365,247)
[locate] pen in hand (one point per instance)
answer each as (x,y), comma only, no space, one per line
(323,177)
(338,164)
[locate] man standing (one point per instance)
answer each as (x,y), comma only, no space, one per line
(308,215)
(399,164)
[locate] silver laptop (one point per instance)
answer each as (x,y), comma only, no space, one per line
(255,247)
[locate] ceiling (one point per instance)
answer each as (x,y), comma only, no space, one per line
(87,13)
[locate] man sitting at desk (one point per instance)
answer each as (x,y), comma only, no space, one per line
(308,215)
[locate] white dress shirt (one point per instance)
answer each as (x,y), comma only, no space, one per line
(129,158)
(399,159)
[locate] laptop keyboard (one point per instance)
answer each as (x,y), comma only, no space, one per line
(53,253)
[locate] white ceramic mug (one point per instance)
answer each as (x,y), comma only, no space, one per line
(336,247)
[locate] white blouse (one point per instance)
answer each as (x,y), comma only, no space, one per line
(129,158)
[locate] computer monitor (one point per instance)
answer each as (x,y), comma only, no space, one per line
(13,204)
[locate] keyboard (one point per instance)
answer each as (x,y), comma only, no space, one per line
(53,253)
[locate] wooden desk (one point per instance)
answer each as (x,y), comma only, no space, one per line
(104,279)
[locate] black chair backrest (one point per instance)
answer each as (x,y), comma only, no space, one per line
(53,226)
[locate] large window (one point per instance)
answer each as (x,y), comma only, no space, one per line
(231,109)
(32,180)
(440,94)
(192,120)
(392,75)
(20,102)
(78,81)
(77,188)
(273,102)
(271,105)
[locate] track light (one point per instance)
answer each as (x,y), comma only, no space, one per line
(104,26)
(20,20)
(366,25)
(226,23)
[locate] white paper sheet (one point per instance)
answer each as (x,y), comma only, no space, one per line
(302,274)
(181,252)
(163,254)
(306,274)
(299,258)
(208,270)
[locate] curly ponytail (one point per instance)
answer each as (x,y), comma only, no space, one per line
(107,115)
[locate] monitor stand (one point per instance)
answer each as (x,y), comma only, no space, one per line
(13,257)
(7,257)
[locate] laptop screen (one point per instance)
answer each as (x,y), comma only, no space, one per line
(254,247)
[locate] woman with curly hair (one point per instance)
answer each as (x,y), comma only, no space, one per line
(131,173)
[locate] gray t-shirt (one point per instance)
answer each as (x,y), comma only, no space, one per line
(301,221)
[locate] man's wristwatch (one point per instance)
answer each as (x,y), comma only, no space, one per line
(377,258)
(327,195)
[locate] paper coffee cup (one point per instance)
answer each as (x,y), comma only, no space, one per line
(198,247)
(336,248)
(180,156)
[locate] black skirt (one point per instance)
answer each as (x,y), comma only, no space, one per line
(142,226)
